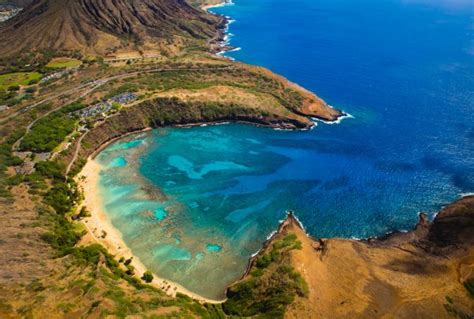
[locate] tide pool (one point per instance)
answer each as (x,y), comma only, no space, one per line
(194,204)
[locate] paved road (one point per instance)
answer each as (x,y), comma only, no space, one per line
(28,128)
(76,152)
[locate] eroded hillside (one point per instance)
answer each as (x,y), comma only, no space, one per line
(105,26)
(425,273)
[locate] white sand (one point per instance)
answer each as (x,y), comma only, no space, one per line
(98,223)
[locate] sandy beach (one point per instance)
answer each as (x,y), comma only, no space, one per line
(100,230)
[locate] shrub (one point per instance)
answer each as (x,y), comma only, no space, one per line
(49,169)
(83,212)
(30,90)
(8,159)
(62,235)
(273,284)
(257,272)
(264,261)
(60,198)
(469,284)
(131,271)
(147,276)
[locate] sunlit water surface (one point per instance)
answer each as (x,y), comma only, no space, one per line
(194,204)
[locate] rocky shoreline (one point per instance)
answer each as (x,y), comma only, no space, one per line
(453,226)
(220,44)
(169,112)
(438,254)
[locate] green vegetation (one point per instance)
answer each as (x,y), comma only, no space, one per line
(61,235)
(251,80)
(6,96)
(11,97)
(60,63)
(33,61)
(8,159)
(147,276)
(110,285)
(454,311)
(84,212)
(272,286)
(10,80)
(102,277)
(469,284)
(50,131)
(61,196)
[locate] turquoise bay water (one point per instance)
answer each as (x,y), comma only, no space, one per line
(194,204)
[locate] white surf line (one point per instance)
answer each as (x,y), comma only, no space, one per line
(338,121)
(226,41)
(219,5)
(467,194)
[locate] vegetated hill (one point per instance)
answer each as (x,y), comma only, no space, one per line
(103,26)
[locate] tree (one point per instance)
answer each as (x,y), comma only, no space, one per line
(147,276)
(84,212)
(30,90)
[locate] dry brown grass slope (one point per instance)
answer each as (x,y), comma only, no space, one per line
(414,275)
(426,273)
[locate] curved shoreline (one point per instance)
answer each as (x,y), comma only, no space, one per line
(114,242)
(101,147)
(98,223)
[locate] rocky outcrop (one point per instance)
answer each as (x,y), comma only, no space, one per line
(454,226)
(423,273)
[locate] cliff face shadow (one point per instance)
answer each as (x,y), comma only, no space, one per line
(416,266)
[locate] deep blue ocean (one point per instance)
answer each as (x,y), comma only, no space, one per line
(403,69)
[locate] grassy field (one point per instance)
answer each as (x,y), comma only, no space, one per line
(18,78)
(60,63)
